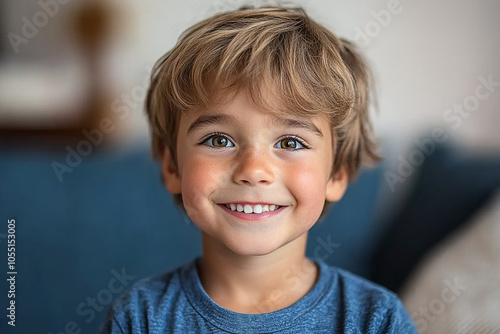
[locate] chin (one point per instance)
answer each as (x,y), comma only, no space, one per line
(252,249)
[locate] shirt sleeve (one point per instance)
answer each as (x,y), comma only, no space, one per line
(399,321)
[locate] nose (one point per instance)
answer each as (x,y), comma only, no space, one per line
(254,167)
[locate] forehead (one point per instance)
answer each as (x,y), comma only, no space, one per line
(266,103)
(240,106)
(206,119)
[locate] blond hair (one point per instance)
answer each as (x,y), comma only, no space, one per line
(312,71)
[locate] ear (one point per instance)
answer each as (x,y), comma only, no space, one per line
(170,174)
(337,185)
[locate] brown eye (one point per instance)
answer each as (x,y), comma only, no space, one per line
(291,143)
(218,141)
(288,143)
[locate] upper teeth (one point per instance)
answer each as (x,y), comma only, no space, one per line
(252,209)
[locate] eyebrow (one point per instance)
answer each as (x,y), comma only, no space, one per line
(296,123)
(205,120)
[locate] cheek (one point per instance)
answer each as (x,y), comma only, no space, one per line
(200,178)
(308,185)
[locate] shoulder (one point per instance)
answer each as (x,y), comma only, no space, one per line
(132,312)
(367,305)
(359,288)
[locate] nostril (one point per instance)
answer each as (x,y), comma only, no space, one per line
(250,183)
(251,174)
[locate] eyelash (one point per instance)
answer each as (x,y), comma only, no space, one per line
(219,134)
(301,141)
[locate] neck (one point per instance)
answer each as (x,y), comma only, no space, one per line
(256,284)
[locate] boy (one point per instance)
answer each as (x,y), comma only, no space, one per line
(259,118)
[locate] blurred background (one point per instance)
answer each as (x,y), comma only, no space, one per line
(77,177)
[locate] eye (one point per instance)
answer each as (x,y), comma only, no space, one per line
(291,143)
(218,140)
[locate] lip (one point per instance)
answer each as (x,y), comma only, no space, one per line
(252,216)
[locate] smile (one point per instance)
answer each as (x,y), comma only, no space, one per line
(249,212)
(247,208)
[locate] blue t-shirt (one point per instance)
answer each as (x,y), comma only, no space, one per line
(339,302)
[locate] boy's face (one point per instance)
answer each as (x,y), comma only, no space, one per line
(233,153)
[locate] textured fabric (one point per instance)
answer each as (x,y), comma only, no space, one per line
(339,302)
(456,290)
